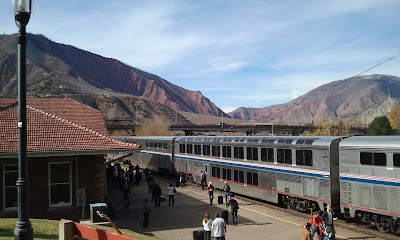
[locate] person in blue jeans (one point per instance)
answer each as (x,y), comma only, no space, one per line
(227,190)
(210,190)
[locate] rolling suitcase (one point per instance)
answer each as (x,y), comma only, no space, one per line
(176,184)
(198,235)
(220,199)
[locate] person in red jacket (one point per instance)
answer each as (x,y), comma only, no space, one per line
(316,224)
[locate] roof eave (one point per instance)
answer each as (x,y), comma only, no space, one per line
(69,153)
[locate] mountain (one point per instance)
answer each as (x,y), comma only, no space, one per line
(118,90)
(362,97)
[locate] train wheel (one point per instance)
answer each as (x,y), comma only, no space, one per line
(383,225)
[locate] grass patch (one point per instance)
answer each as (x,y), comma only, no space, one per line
(44,229)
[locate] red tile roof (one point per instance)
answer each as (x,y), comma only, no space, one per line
(68,109)
(47,132)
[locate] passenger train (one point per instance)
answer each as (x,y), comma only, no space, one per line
(358,176)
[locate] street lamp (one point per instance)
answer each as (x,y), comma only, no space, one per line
(23,228)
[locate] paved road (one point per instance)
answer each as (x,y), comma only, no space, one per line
(178,222)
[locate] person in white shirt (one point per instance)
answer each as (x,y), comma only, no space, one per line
(219,227)
(207,225)
(171,194)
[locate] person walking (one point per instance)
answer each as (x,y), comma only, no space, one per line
(227,190)
(328,217)
(234,209)
(210,190)
(146,214)
(171,194)
(219,227)
(316,225)
(182,179)
(207,225)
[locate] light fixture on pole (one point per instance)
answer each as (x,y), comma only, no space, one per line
(23,228)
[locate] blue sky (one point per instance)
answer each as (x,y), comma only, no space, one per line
(237,53)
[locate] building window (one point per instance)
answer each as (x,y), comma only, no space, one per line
(373,159)
(252,153)
(238,153)
(267,154)
(10,177)
(60,190)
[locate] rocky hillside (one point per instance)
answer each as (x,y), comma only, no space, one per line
(55,69)
(363,97)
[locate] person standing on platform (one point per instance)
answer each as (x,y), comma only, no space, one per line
(328,217)
(210,190)
(234,209)
(316,224)
(125,193)
(146,214)
(202,180)
(137,168)
(157,195)
(219,227)
(227,190)
(182,179)
(149,179)
(207,225)
(171,194)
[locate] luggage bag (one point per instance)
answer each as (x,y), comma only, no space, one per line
(220,199)
(198,235)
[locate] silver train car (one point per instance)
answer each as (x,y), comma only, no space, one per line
(358,176)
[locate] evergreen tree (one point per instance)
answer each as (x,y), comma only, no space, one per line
(380,126)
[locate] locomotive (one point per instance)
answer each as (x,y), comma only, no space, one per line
(358,176)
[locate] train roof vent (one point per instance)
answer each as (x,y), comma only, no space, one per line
(253,140)
(309,141)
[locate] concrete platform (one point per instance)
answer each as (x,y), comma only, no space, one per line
(191,203)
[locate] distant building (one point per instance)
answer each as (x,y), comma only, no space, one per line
(67,144)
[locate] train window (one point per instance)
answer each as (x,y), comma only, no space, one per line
(252,153)
(182,148)
(304,157)
(396,160)
(206,150)
(224,173)
(147,144)
(238,153)
(241,176)
(236,175)
(250,178)
(284,156)
(227,151)
(216,151)
(160,145)
(197,149)
(228,174)
(255,179)
(189,148)
(374,159)
(215,172)
(379,159)
(165,145)
(267,154)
